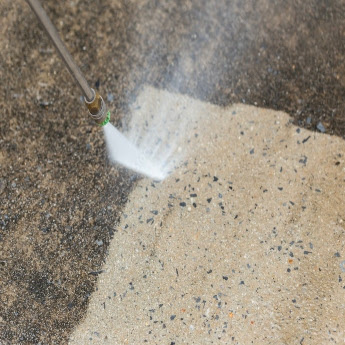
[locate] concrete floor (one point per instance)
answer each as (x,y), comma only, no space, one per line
(242,244)
(60,200)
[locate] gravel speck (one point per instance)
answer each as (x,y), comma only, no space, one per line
(2,185)
(99,242)
(110,97)
(320,127)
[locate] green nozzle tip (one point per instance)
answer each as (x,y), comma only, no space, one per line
(106,120)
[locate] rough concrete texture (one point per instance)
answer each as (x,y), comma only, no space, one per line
(242,244)
(59,198)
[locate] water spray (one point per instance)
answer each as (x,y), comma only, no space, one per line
(93,100)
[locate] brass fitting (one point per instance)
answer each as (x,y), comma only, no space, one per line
(98,109)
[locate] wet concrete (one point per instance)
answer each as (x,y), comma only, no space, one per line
(60,200)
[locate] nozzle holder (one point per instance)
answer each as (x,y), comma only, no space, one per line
(98,109)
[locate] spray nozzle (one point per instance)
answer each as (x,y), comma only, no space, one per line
(98,109)
(93,100)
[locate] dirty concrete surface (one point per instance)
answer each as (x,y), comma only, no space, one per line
(60,200)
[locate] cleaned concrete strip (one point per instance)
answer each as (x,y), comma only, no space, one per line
(243,243)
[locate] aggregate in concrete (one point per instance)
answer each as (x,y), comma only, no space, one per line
(242,244)
(59,197)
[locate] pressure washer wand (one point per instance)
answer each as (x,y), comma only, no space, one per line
(92,98)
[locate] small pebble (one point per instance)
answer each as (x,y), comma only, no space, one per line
(320,127)
(2,185)
(110,97)
(342,266)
